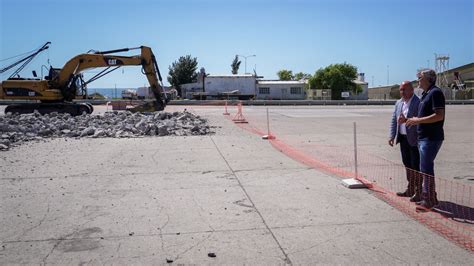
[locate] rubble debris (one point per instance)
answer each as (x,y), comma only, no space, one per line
(16,129)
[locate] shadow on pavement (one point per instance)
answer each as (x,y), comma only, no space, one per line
(459,213)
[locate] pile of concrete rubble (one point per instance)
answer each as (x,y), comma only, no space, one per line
(15,128)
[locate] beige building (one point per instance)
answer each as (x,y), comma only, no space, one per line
(382,92)
(459,85)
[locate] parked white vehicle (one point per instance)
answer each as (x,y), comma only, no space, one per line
(129,94)
(144,93)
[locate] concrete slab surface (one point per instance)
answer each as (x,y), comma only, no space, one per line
(161,200)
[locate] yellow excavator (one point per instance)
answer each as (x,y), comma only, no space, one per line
(56,92)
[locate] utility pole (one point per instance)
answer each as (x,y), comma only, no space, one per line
(245,57)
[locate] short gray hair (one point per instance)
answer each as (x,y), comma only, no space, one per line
(429,74)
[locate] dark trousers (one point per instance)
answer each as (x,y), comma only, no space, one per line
(411,161)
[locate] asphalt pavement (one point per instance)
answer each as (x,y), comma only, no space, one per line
(225,198)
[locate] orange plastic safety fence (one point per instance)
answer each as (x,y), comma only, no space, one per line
(452,218)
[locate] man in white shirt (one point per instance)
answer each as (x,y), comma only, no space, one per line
(405,108)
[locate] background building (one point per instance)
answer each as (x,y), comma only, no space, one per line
(245,86)
(221,87)
(318,94)
(360,81)
(459,85)
(281,90)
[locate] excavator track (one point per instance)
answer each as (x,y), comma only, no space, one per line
(46,108)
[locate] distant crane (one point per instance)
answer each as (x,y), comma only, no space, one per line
(441,68)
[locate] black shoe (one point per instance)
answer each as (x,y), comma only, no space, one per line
(404,194)
(425,205)
(415,198)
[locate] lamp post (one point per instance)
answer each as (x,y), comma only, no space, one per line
(246,56)
(203,74)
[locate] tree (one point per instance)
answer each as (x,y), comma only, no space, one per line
(183,71)
(285,74)
(301,75)
(235,65)
(337,78)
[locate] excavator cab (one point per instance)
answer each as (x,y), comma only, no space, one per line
(52,73)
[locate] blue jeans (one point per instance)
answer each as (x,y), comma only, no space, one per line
(428,151)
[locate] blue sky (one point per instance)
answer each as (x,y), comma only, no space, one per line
(387,40)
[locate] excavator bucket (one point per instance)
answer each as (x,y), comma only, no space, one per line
(148,107)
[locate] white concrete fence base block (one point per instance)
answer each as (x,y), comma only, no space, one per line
(353,183)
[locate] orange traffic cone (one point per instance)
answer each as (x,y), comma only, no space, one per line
(239,117)
(226,113)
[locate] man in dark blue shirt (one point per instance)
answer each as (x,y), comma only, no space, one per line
(430,123)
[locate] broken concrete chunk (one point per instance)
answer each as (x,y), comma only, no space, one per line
(163,130)
(15,128)
(5,142)
(87,132)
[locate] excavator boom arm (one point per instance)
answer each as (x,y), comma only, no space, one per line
(83,62)
(152,72)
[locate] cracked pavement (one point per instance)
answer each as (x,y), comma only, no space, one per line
(177,199)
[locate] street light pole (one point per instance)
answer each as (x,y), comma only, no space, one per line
(246,56)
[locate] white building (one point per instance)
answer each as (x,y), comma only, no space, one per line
(364,95)
(281,90)
(245,86)
(221,86)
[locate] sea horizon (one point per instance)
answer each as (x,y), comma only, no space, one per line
(108,93)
